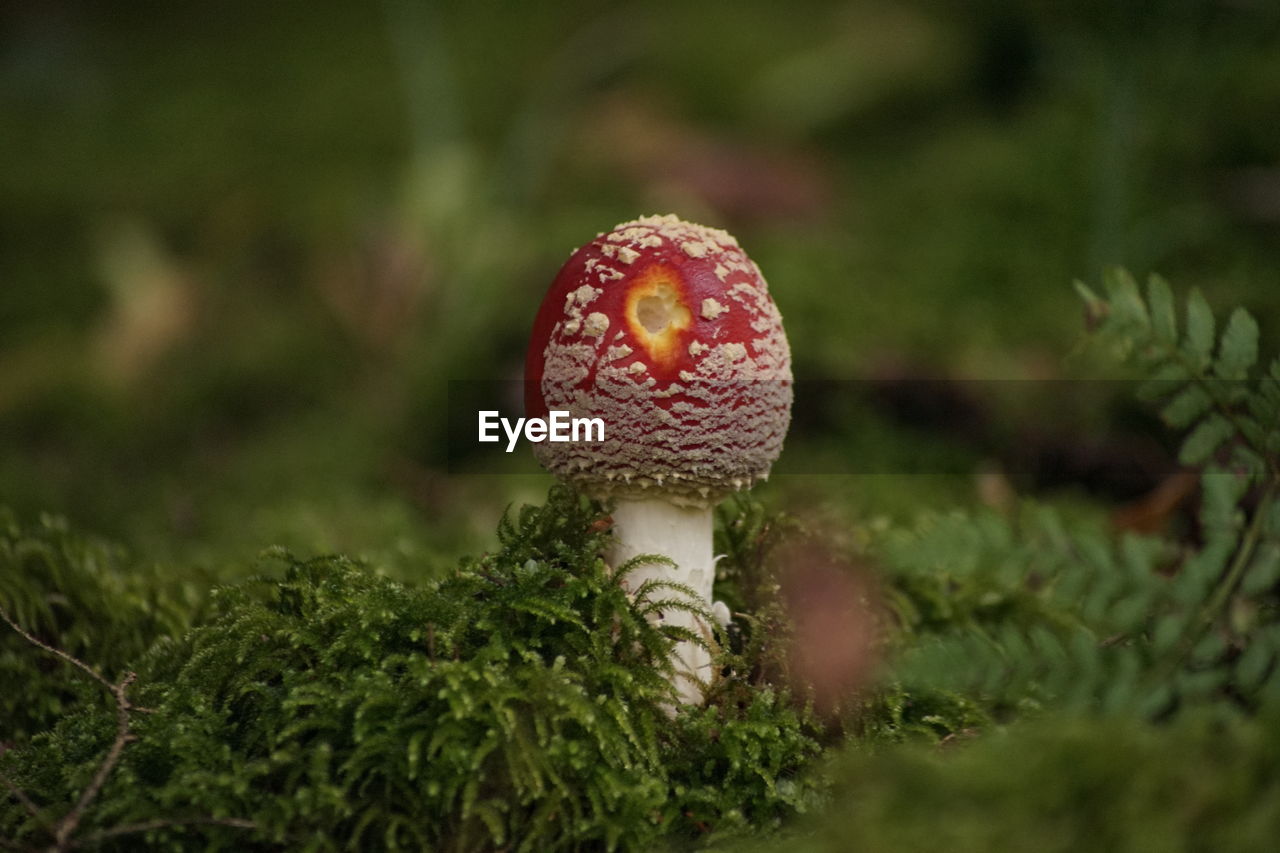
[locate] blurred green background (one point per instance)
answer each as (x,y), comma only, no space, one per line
(245,246)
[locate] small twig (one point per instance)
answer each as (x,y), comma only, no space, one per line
(21,797)
(1114,639)
(67,826)
(147,826)
(58,652)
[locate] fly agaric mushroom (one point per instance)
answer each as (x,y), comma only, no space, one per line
(664,330)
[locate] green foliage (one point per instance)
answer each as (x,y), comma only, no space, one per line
(900,713)
(516,703)
(1063,784)
(1038,652)
(83,596)
(746,536)
(1204,384)
(1026,613)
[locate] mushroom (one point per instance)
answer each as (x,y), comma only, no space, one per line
(664,330)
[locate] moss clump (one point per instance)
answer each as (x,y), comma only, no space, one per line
(85,597)
(516,703)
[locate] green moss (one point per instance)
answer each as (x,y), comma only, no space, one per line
(516,702)
(84,596)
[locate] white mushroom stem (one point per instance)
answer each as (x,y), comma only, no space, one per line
(647,527)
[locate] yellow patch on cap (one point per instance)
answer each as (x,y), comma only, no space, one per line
(656,313)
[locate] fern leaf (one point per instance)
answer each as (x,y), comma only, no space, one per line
(1200,330)
(1191,404)
(1164,318)
(1238,351)
(1126,301)
(1200,446)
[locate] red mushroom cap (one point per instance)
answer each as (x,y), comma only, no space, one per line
(665,330)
